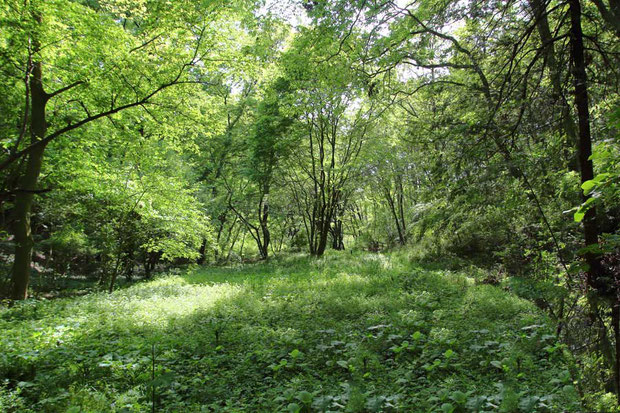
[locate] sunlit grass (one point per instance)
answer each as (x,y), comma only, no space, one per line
(238,338)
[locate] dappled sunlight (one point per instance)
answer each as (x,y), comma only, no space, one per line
(490,303)
(146,308)
(341,279)
(279,326)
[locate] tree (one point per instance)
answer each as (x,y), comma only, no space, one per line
(267,146)
(88,84)
(333,120)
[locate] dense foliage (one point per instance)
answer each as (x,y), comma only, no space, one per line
(142,136)
(363,333)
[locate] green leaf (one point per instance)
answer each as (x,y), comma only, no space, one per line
(590,249)
(305,397)
(459,397)
(579,215)
(588,185)
(343,363)
(581,211)
(163,379)
(601,177)
(599,155)
(293,408)
(447,408)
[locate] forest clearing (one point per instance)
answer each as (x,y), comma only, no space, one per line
(364,332)
(310,206)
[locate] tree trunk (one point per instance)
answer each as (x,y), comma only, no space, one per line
(24,242)
(242,245)
(114,275)
(202,256)
(322,241)
(594,273)
(567,125)
(147,269)
(400,198)
(390,200)
(337,235)
(615,321)
(234,240)
(263,217)
(584,147)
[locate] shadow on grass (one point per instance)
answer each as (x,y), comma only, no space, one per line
(253,338)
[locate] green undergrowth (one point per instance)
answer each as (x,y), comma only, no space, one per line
(348,332)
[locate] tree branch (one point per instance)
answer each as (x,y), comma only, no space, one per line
(64,89)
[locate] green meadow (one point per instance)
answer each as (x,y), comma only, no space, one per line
(345,333)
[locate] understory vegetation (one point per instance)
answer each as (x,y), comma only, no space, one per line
(357,333)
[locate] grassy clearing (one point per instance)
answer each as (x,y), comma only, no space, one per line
(344,333)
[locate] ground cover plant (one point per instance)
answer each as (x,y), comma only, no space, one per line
(358,333)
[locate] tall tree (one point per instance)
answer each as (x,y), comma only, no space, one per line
(110,78)
(267,146)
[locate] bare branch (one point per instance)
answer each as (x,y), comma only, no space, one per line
(64,89)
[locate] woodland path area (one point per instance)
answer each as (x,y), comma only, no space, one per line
(349,332)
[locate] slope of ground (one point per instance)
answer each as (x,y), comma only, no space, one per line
(357,333)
